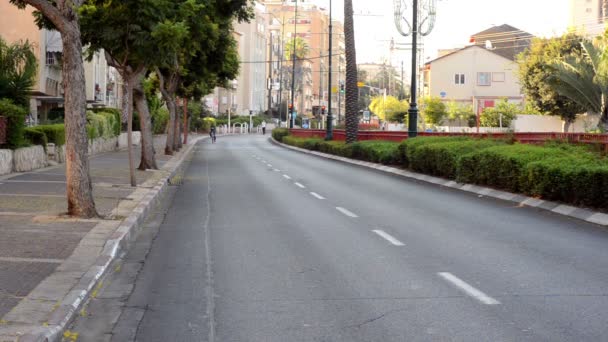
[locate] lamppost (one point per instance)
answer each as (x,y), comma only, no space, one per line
(415,29)
(293,59)
(329,135)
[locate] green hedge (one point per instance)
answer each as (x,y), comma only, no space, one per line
(441,158)
(35,137)
(54,133)
(279,133)
(567,173)
(101,125)
(16,123)
(558,172)
(408,147)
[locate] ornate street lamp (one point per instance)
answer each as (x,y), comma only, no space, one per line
(423,28)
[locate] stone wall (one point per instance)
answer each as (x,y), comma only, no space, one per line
(29,158)
(101,145)
(6,162)
(122,139)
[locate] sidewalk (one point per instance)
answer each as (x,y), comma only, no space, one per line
(39,246)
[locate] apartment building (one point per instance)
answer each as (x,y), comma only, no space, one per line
(588,16)
(102,81)
(482,73)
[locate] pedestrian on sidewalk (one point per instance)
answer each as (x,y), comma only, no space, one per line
(264,127)
(212,134)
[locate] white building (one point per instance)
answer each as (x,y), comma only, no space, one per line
(588,16)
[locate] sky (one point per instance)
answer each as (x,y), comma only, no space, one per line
(456,21)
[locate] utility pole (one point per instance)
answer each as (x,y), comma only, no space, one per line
(293,59)
(281,53)
(270,78)
(330,132)
(402,91)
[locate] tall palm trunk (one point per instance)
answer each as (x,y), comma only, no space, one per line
(352,94)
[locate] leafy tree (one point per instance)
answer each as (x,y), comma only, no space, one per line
(584,78)
(501,115)
(536,74)
(352,92)
(18,67)
(459,112)
(124,31)
(391,109)
(183,37)
(63,16)
(433,110)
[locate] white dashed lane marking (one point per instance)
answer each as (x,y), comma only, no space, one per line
(346,212)
(317,195)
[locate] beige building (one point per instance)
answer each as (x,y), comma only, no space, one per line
(101,81)
(480,74)
(588,16)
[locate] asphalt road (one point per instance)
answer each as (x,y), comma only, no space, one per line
(266,244)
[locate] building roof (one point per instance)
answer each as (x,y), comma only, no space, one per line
(506,40)
(462,49)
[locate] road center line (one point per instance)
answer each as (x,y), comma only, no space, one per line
(269,165)
(276,170)
(299,185)
(468,289)
(286,177)
(346,212)
(317,195)
(388,237)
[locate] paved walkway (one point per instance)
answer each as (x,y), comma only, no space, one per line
(34,238)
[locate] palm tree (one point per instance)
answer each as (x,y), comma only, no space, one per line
(584,79)
(352,93)
(301,52)
(18,69)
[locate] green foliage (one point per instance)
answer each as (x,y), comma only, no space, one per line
(389,109)
(101,125)
(433,110)
(491,116)
(408,147)
(18,70)
(383,152)
(279,133)
(160,118)
(16,123)
(458,111)
(34,136)
(301,48)
(54,133)
(565,173)
(441,158)
(56,114)
(113,115)
(537,75)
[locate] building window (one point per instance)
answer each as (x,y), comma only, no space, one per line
(484,78)
(588,10)
(50,58)
(458,78)
(498,77)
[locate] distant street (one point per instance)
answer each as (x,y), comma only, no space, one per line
(264,244)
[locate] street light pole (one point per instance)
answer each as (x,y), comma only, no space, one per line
(293,59)
(413,111)
(329,135)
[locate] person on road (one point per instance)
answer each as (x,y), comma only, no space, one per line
(264,127)
(212,134)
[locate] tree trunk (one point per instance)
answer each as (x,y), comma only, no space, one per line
(352,118)
(566,126)
(603,124)
(169,146)
(186,121)
(178,130)
(148,161)
(127,107)
(79,187)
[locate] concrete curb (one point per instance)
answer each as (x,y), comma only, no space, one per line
(108,240)
(595,217)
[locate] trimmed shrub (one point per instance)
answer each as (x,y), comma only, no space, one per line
(100,125)
(54,133)
(377,151)
(35,137)
(16,123)
(502,166)
(409,146)
(207,123)
(279,133)
(441,158)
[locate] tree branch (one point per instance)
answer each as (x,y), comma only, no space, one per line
(48,10)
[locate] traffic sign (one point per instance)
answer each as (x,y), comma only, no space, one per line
(334,89)
(360,84)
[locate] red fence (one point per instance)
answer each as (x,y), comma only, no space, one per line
(526,138)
